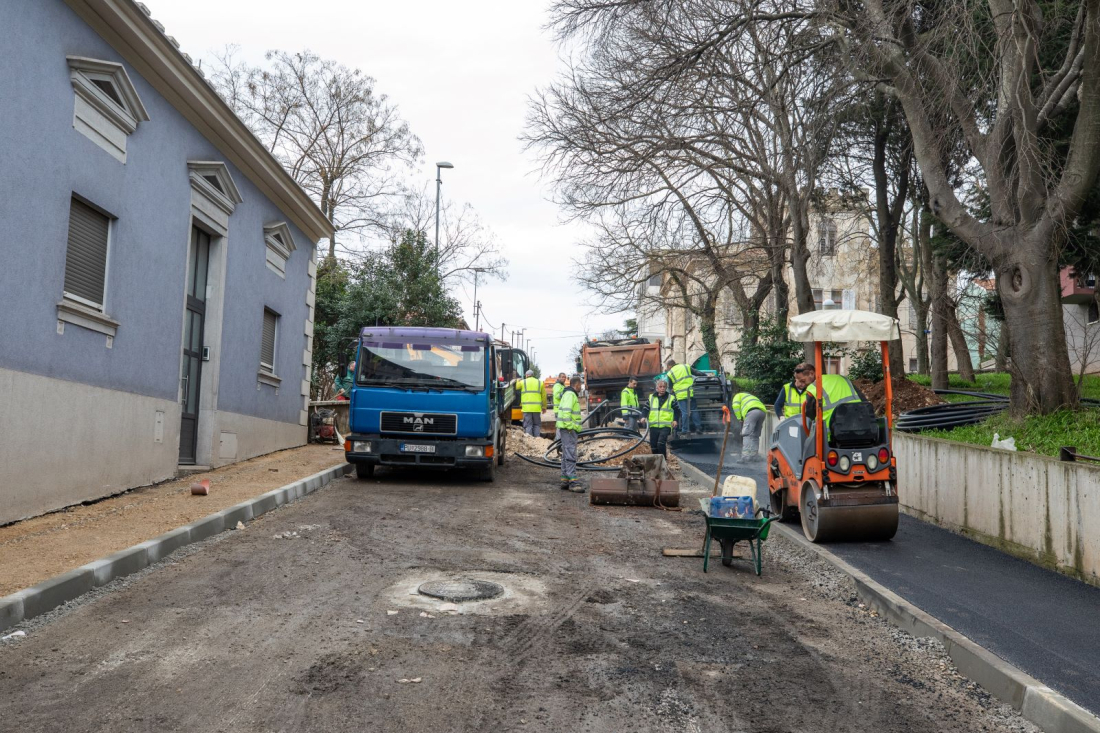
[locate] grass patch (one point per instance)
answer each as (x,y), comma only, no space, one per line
(997,383)
(1043,434)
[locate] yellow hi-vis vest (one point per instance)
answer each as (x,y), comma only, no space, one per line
(628,399)
(568,414)
(682,381)
(838,390)
(558,389)
(532,398)
(661,413)
(743,402)
(792,400)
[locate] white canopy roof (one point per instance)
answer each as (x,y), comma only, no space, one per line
(843,325)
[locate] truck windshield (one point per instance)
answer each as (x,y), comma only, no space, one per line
(431,365)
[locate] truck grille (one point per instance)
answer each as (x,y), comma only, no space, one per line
(419,423)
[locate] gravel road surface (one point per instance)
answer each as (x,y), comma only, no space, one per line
(308,620)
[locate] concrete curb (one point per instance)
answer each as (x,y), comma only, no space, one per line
(1050,710)
(49,594)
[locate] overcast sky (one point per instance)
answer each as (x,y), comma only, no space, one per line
(461,74)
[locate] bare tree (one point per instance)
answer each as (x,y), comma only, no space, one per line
(341,140)
(467,245)
(972,71)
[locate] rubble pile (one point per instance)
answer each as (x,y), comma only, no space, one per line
(521,442)
(609,446)
(907,395)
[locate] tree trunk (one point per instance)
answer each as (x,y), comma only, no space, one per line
(889,214)
(958,343)
(940,304)
(708,332)
(778,263)
(922,339)
(1042,380)
(1001,364)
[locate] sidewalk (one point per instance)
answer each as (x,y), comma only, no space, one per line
(36,549)
(1040,621)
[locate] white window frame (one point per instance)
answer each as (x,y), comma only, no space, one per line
(268,376)
(78,310)
(278,252)
(106,122)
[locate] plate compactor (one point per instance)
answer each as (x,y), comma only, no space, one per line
(841,480)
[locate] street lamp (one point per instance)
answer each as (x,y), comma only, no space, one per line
(438,186)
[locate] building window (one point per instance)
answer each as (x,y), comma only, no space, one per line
(654,281)
(1093,313)
(912,365)
(268,342)
(826,238)
(107,108)
(280,243)
(86,255)
(731,314)
(820,295)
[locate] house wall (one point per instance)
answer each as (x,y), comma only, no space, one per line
(101,397)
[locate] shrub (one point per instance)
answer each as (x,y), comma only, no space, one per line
(768,358)
(867,364)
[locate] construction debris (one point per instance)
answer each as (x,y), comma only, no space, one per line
(908,395)
(201,488)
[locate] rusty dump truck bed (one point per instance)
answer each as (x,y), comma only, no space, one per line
(620,361)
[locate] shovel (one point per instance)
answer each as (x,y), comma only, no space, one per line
(722,456)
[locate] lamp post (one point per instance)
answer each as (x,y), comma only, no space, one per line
(438,187)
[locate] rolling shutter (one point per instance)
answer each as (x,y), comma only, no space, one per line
(267,343)
(86,257)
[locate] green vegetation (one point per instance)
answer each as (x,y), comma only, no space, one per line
(867,364)
(1043,434)
(397,287)
(998,383)
(767,359)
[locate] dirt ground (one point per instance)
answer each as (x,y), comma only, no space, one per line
(36,549)
(309,620)
(907,395)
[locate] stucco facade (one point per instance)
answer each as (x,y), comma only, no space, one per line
(90,404)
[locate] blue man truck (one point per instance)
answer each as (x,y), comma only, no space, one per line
(428,398)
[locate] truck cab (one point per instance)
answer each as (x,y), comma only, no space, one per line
(427,398)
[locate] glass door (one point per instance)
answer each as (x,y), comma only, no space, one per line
(191,366)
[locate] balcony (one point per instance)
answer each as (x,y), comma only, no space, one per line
(1077,288)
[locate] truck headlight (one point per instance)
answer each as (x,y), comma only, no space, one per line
(475,451)
(360,446)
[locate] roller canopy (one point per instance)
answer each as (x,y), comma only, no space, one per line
(843,325)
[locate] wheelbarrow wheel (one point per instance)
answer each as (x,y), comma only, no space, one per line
(727,552)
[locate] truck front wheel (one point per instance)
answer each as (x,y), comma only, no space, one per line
(364,470)
(489,473)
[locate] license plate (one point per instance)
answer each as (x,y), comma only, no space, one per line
(415,448)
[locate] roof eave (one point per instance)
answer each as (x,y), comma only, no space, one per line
(136,37)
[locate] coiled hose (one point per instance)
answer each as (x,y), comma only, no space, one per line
(952,415)
(587,436)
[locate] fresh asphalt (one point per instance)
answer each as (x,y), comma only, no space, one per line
(1038,620)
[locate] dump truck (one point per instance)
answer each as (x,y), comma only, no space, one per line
(608,366)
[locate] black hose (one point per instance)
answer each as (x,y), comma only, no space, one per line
(588,435)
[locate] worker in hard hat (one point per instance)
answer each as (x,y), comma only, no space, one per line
(628,401)
(790,399)
(750,412)
(532,402)
(568,416)
(661,418)
(681,380)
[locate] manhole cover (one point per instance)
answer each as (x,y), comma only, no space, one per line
(457,591)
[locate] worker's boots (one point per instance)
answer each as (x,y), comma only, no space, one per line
(564,486)
(575,485)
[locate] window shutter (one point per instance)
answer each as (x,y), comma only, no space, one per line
(86,256)
(849,300)
(267,344)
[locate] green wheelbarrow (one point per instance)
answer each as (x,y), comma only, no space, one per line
(730,531)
